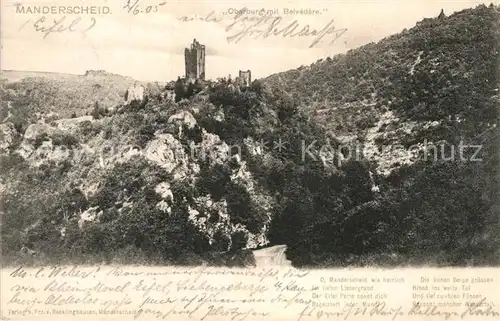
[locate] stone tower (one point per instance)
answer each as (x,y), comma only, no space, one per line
(195,61)
(246,77)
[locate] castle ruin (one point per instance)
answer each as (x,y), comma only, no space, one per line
(245,77)
(195,61)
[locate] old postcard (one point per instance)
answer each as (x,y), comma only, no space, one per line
(250,160)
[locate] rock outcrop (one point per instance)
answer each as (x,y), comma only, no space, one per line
(195,181)
(135,93)
(7,135)
(36,130)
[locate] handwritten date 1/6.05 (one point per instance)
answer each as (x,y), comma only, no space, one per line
(135,7)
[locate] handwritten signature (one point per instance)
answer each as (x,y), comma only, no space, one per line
(45,26)
(263,26)
(271,25)
(381,309)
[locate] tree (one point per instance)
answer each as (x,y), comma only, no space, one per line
(190,90)
(257,87)
(287,108)
(96,112)
(179,90)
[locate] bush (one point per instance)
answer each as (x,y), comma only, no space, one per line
(40,139)
(63,139)
(146,133)
(99,112)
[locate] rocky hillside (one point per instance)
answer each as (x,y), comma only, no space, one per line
(407,104)
(299,159)
(438,80)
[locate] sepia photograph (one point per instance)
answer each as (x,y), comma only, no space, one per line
(216,134)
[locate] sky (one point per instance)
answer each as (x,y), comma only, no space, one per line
(150,45)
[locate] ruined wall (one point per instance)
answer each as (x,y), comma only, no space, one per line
(245,77)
